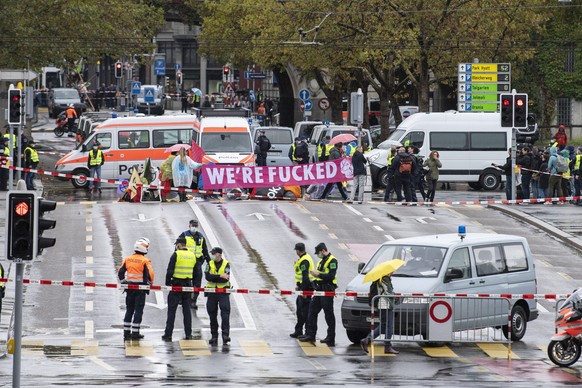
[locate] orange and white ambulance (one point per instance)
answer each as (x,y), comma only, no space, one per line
(128,141)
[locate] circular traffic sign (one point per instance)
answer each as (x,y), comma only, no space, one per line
(324,104)
(304,94)
(440,314)
(308,104)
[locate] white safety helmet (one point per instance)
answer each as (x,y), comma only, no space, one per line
(141,245)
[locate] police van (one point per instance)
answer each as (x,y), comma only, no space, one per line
(128,141)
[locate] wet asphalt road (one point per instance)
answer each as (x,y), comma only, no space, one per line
(73,335)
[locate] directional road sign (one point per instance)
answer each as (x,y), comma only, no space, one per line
(304,94)
(160,67)
(308,104)
(135,87)
(251,75)
(480,85)
(149,95)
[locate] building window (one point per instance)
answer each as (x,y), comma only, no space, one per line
(564,114)
(168,49)
(190,56)
(569,61)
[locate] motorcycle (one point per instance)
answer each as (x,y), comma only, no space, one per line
(61,123)
(564,348)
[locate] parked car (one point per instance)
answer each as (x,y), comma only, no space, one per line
(59,100)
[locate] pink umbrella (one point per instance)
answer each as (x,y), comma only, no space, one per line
(342,138)
(176,148)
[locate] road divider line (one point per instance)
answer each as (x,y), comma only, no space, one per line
(565,276)
(353,210)
(89,273)
(102,364)
(314,218)
(367,219)
(89,329)
(88,305)
(378,228)
(89,260)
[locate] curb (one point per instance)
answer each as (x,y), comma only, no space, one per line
(572,241)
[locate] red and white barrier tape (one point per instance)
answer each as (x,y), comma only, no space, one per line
(52,153)
(491,202)
(540,172)
(68,283)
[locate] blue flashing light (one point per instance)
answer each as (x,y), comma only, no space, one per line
(113,115)
(462,230)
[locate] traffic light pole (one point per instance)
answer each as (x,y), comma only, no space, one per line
(17,323)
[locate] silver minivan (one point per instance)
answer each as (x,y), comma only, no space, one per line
(281,139)
(476,264)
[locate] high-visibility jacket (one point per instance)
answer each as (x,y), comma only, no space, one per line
(303,260)
(185,262)
(14,140)
(390,159)
(325,268)
(293,147)
(95,160)
(217,271)
(136,266)
(196,249)
(6,155)
(33,154)
(1,275)
(71,113)
(577,164)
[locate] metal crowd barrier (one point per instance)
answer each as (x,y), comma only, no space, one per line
(445,319)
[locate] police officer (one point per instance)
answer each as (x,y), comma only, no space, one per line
(30,161)
(303,282)
(4,172)
(217,273)
(95,160)
(135,269)
(325,280)
(180,272)
(196,243)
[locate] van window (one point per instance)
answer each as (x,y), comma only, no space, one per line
(488,260)
(421,261)
(277,136)
(488,141)
(164,138)
(515,257)
(134,139)
(104,138)
(415,138)
(449,141)
(307,129)
(460,260)
(226,142)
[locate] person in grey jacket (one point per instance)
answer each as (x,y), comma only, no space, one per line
(334,153)
(433,163)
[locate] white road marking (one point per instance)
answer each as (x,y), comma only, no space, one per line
(351,208)
(565,275)
(379,228)
(323,226)
(389,237)
(102,363)
(160,303)
(88,273)
(89,228)
(244,311)
(88,305)
(332,236)
(314,218)
(316,364)
(422,219)
(89,260)
(89,329)
(302,208)
(342,246)
(260,216)
(88,238)
(353,257)
(543,262)
(542,309)
(88,248)
(367,219)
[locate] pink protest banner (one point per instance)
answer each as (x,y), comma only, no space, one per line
(228,176)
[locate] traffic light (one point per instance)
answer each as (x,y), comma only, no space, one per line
(167,81)
(520,111)
(507,110)
(118,69)
(179,78)
(20,221)
(43,224)
(226,70)
(14,106)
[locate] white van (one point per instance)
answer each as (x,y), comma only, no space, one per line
(127,141)
(467,143)
(156,107)
(477,264)
(225,140)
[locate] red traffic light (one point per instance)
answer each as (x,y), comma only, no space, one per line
(519,102)
(21,209)
(118,65)
(506,102)
(15,98)
(226,70)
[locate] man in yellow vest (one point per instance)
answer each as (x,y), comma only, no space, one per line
(292,149)
(95,160)
(217,275)
(4,172)
(135,269)
(325,279)
(575,167)
(30,161)
(180,273)
(196,243)
(303,282)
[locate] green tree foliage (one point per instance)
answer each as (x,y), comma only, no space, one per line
(41,32)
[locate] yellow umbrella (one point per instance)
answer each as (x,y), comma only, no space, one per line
(383,269)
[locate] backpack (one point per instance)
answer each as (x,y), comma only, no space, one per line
(405,164)
(561,164)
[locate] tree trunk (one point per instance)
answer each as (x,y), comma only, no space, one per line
(423,86)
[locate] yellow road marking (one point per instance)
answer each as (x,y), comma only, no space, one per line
(138,349)
(194,348)
(496,350)
(256,348)
(442,351)
(379,351)
(315,349)
(84,348)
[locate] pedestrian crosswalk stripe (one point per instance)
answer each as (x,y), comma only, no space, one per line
(441,351)
(138,349)
(311,349)
(194,348)
(256,348)
(496,350)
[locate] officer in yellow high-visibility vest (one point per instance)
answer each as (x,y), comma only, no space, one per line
(325,280)
(196,243)
(292,149)
(389,175)
(303,282)
(30,161)
(323,149)
(95,160)
(577,175)
(4,172)
(180,273)
(217,275)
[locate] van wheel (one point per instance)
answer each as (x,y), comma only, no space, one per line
(490,180)
(355,336)
(475,185)
(78,182)
(518,323)
(382,179)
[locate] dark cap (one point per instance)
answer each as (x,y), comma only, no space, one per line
(300,247)
(194,222)
(216,250)
(319,247)
(262,131)
(180,240)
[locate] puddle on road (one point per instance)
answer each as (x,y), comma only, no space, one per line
(113,237)
(294,228)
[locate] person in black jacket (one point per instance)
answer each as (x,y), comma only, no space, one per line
(402,175)
(303,282)
(359,162)
(334,154)
(524,160)
(302,151)
(506,168)
(263,145)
